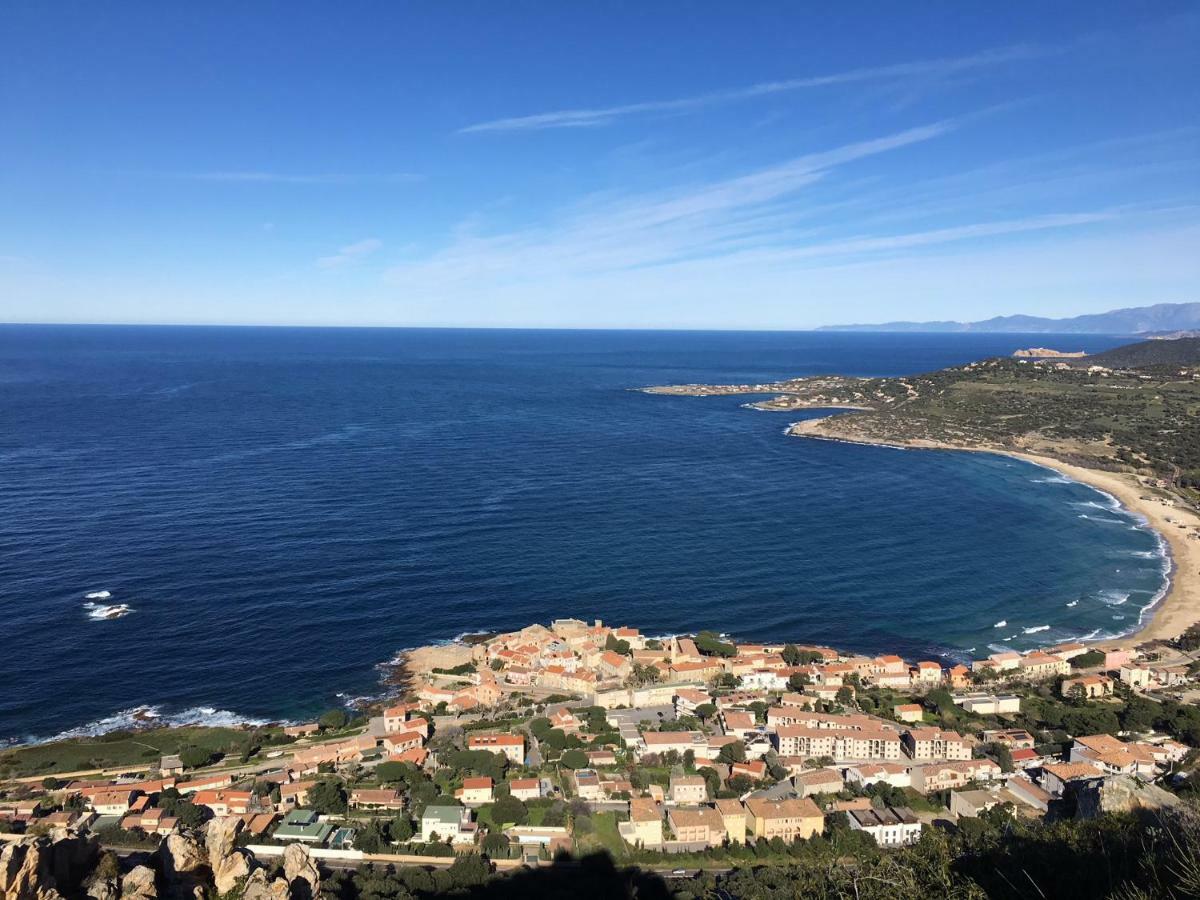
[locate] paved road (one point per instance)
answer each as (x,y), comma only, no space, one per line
(534,757)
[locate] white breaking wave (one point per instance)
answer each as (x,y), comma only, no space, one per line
(1107,521)
(153,717)
(1073,603)
(1052,479)
(98,595)
(1036,628)
(998,648)
(102,612)
(1000,624)
(1118,618)
(1113,598)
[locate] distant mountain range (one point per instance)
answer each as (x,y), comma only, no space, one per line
(1144,320)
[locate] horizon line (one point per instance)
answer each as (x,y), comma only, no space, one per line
(827,329)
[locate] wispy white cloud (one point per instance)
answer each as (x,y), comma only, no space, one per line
(721,218)
(258,177)
(783,231)
(598,116)
(350,253)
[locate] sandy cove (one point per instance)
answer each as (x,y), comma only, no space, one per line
(1180,608)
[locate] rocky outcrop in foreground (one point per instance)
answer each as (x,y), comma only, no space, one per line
(64,865)
(47,868)
(1120,794)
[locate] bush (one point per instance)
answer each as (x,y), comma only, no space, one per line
(401,828)
(189,815)
(575,759)
(333,720)
(617,646)
(709,644)
(509,810)
(469,870)
(1087,660)
(194,757)
(732,753)
(391,771)
(327,797)
(495,844)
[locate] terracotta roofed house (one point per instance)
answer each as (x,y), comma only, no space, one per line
(818,781)
(525,788)
(1056,776)
(1039,665)
(738,722)
(475,791)
(733,813)
(295,794)
(927,672)
(1089,686)
(934,743)
(381,798)
(688,789)
(224,803)
(644,827)
(511,745)
(702,825)
(115,802)
(891,826)
(786,819)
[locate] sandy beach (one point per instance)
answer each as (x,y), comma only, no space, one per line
(1180,608)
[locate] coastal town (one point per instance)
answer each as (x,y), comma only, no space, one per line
(579,736)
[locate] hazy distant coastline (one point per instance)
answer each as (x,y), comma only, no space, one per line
(1161,318)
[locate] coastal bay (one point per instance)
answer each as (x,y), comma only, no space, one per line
(1179,608)
(285,510)
(1122,421)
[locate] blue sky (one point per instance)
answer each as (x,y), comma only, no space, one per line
(679,165)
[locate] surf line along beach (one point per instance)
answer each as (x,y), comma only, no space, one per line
(1179,607)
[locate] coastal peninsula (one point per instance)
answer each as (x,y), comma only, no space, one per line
(1126,422)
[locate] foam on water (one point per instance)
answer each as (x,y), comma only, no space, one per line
(1104,520)
(105,612)
(149,716)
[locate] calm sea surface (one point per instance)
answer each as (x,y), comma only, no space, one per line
(284,509)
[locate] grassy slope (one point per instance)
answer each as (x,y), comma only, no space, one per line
(115,750)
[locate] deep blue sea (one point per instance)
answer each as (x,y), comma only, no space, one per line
(285,509)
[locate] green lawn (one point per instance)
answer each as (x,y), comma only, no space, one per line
(115,750)
(537,815)
(918,802)
(604,836)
